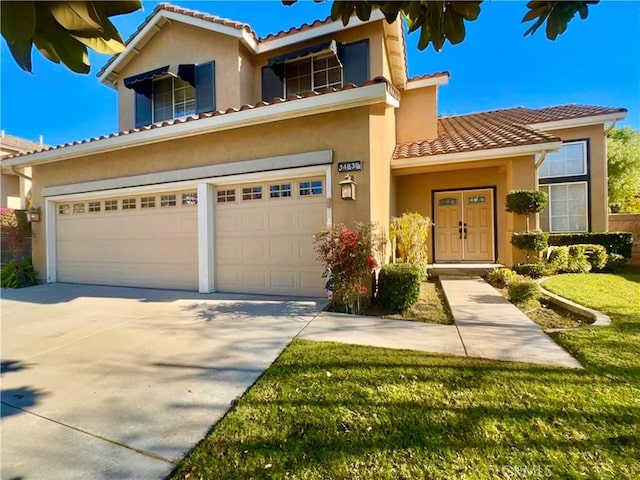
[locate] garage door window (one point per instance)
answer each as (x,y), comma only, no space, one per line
(252,193)
(311,188)
(226,196)
(110,205)
(168,201)
(280,191)
(64,209)
(78,208)
(189,199)
(94,207)
(129,204)
(148,202)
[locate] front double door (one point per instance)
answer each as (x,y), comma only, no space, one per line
(464,226)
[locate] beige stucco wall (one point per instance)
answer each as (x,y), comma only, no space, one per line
(177,43)
(345,132)
(417,117)
(414,191)
(10,191)
(598,207)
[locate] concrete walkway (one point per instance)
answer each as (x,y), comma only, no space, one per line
(491,327)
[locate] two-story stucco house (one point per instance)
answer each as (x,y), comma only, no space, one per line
(232,148)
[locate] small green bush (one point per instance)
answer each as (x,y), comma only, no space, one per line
(17,274)
(500,277)
(534,241)
(531,270)
(556,259)
(522,290)
(596,256)
(615,263)
(399,286)
(615,242)
(524,202)
(578,262)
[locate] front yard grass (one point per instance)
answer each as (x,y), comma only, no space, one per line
(334,411)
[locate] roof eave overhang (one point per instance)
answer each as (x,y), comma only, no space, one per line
(427,82)
(477,155)
(110,74)
(325,103)
(580,122)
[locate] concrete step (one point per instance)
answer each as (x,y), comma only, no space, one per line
(461,269)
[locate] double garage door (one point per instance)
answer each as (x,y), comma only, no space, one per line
(263,239)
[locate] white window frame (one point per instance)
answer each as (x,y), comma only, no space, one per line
(147,202)
(127,205)
(586,202)
(253,193)
(173,100)
(64,209)
(281,190)
(189,199)
(310,58)
(585,166)
(109,204)
(168,200)
(309,189)
(94,207)
(226,196)
(78,208)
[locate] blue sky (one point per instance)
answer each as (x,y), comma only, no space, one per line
(595,62)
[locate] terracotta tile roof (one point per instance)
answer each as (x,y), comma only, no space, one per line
(427,76)
(531,116)
(509,127)
(327,91)
(184,11)
(292,30)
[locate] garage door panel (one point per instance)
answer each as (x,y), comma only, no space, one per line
(266,246)
(154,247)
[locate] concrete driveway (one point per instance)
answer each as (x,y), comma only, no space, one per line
(102,382)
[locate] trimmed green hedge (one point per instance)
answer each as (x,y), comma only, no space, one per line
(534,241)
(613,242)
(524,202)
(399,285)
(531,270)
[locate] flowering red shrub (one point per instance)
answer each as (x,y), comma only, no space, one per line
(349,256)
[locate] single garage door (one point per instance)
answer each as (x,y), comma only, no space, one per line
(139,241)
(264,237)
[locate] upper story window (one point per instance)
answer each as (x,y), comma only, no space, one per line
(172,98)
(314,68)
(569,161)
(163,94)
(313,74)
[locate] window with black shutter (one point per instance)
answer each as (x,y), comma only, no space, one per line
(162,95)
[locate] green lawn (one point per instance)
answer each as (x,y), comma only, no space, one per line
(325,410)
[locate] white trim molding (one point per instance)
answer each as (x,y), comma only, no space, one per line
(185,177)
(427,82)
(51,241)
(330,102)
(206,238)
(579,122)
(477,155)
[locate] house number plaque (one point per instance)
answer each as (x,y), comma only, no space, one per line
(349,166)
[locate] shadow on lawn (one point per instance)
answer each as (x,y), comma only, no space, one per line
(372,410)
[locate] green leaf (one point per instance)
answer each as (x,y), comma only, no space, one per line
(468,10)
(363,10)
(21,52)
(17,21)
(74,16)
(100,45)
(557,22)
(45,48)
(425,37)
(535,13)
(454,27)
(121,8)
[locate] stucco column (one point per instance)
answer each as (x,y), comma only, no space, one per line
(206,238)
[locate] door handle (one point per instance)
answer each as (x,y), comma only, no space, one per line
(465,231)
(460,230)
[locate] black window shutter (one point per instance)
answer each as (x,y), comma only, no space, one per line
(143,104)
(355,60)
(272,85)
(205,79)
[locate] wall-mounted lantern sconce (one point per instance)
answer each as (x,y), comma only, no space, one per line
(33,215)
(348,188)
